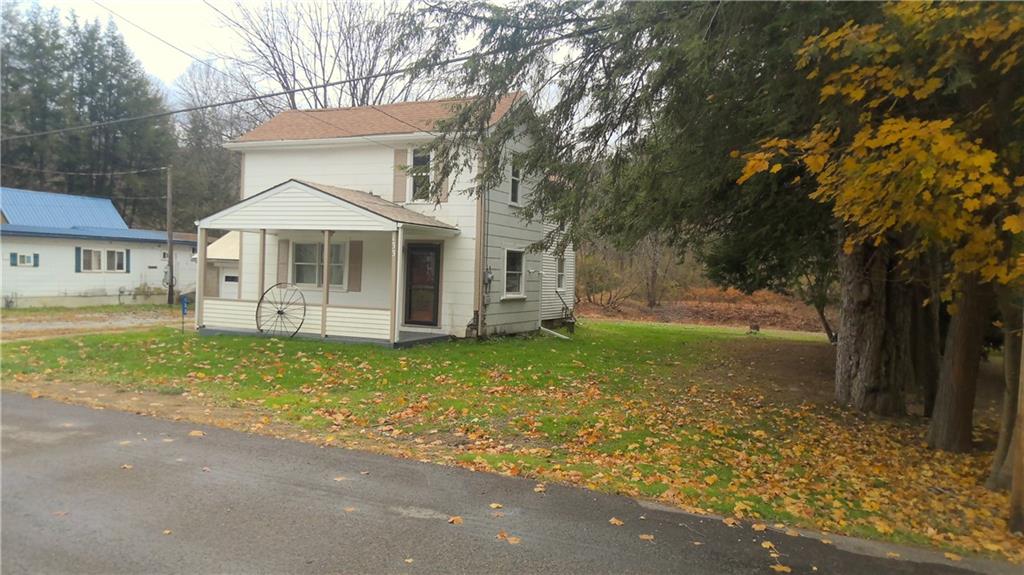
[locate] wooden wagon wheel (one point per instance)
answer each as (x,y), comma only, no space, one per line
(281,310)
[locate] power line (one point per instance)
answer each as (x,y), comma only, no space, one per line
(158,38)
(167,113)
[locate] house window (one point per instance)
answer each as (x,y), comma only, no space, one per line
(92,260)
(115,260)
(560,277)
(421,174)
(24,260)
(231,279)
(514,198)
(307,264)
(513,272)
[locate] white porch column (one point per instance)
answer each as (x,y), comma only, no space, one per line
(200,277)
(394,286)
(396,307)
(327,283)
(262,270)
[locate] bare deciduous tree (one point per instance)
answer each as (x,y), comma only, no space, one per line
(288,45)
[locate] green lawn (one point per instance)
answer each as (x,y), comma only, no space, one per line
(622,407)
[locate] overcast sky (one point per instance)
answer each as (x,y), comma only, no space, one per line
(189,24)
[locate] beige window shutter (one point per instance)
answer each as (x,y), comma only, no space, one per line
(355,265)
(283,249)
(401,176)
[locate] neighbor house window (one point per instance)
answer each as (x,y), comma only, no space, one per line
(92,260)
(421,174)
(514,198)
(514,272)
(307,264)
(115,261)
(560,281)
(24,260)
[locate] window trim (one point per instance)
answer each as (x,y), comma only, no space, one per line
(28,260)
(102,253)
(116,252)
(521,294)
(411,192)
(515,182)
(560,273)
(341,244)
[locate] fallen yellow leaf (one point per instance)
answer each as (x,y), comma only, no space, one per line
(826,541)
(952,556)
(892,555)
(539,488)
(646,537)
(759,527)
(349,509)
(767,545)
(409,560)
(731,521)
(513,540)
(496,505)
(711,479)
(196,433)
(167,531)
(616,521)
(780,568)
(792,532)
(340,478)
(455,520)
(126,466)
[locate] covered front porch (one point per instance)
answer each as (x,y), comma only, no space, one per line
(324,262)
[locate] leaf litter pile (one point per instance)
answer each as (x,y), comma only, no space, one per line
(621,408)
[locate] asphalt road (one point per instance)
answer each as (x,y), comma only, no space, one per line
(238,503)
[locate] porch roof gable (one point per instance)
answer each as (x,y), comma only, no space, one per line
(302,205)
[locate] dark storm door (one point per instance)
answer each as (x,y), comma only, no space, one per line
(422,283)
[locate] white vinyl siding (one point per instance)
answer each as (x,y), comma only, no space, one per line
(297,207)
(551,304)
(235,315)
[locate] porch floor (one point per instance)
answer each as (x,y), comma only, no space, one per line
(411,338)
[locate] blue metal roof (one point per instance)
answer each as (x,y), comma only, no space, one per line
(47,209)
(86,233)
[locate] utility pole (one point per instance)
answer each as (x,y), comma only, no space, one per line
(170,243)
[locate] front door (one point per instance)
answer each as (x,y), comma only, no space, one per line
(422,283)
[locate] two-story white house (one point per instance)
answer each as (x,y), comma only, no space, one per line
(338,239)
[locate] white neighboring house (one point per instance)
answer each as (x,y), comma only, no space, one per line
(70,250)
(334,186)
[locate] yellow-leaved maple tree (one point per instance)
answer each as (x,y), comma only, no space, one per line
(919,149)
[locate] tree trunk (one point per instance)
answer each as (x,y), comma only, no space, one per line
(953,418)
(1017,455)
(873,353)
(825,325)
(925,345)
(1002,463)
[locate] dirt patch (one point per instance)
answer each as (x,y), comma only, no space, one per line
(28,325)
(708,306)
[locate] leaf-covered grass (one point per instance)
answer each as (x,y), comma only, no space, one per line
(623,407)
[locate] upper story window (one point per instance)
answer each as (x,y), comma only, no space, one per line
(560,277)
(516,178)
(421,174)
